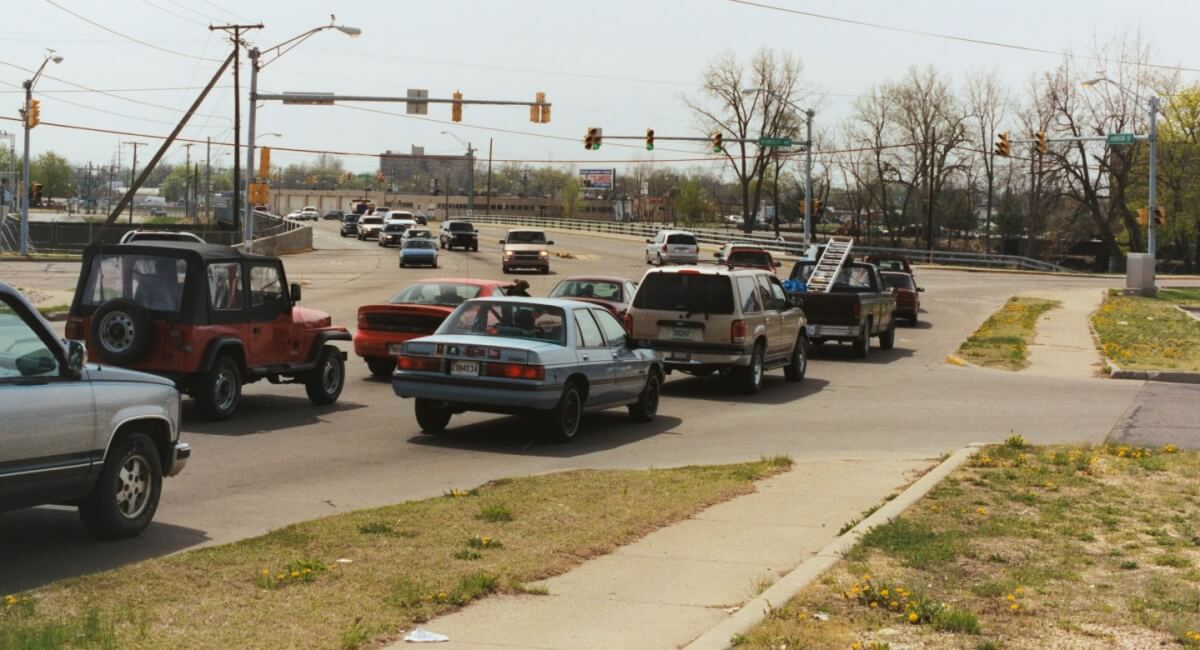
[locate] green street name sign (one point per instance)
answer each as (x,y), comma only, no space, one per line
(774,142)
(1120,138)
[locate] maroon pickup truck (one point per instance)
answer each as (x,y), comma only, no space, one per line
(859,307)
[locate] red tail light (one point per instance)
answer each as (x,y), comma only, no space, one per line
(362,320)
(857,310)
(628,323)
(664,248)
(515,371)
(423,364)
(737,331)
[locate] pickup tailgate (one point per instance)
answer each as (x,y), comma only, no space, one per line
(832,308)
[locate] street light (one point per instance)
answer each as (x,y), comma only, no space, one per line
(50,56)
(471,174)
(256,65)
(808,120)
(261,136)
(1152,104)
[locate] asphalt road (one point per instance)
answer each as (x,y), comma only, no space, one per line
(282,460)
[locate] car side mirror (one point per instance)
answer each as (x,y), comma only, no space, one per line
(550,243)
(76,357)
(501,242)
(717,254)
(778,264)
(921,289)
(649,241)
(295,292)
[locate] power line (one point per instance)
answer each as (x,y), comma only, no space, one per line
(226,11)
(58,91)
(174,13)
(126,36)
(955,38)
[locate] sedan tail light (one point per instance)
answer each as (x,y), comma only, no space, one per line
(423,364)
(737,331)
(515,371)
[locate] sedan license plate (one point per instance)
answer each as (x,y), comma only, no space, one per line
(395,349)
(681,333)
(464,368)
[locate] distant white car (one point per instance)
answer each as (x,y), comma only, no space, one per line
(161,235)
(400,216)
(309,213)
(672,247)
(294,214)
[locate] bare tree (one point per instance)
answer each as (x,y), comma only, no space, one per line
(771,79)
(987,106)
(870,129)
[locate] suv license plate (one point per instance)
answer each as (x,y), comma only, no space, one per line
(681,333)
(464,368)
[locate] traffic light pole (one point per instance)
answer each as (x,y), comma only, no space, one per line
(808,224)
(25,173)
(1151,239)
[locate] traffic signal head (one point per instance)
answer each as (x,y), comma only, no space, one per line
(818,206)
(456,107)
(35,113)
(718,142)
(1040,136)
(649,139)
(264,163)
(1003,148)
(592,140)
(539,110)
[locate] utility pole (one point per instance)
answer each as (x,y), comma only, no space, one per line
(1152,207)
(489,182)
(808,202)
(236,37)
(929,207)
(470,179)
(133,176)
(207,178)
(187,183)
(195,191)
(25,172)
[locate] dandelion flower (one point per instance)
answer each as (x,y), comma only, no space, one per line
(874,604)
(10,600)
(266,572)
(866,577)
(884,593)
(982,511)
(1011,598)
(912,617)
(295,574)
(1019,590)
(856,646)
(893,604)
(1014,607)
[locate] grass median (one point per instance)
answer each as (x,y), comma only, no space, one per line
(1023,547)
(1003,339)
(1141,333)
(348,579)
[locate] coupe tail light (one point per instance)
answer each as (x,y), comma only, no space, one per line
(515,371)
(737,331)
(423,364)
(362,320)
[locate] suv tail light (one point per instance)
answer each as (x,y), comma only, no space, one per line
(515,371)
(737,331)
(424,364)
(857,310)
(664,248)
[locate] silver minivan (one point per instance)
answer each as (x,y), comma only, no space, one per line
(672,247)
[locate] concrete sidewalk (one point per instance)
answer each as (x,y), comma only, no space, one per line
(1064,346)
(674,584)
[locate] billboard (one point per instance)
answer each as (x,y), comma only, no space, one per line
(597,179)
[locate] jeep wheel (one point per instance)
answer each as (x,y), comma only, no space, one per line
(324,384)
(750,378)
(795,370)
(561,424)
(125,496)
(888,339)
(432,415)
(121,331)
(475,247)
(646,407)
(862,344)
(218,391)
(381,367)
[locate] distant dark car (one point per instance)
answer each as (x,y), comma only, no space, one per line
(890,263)
(350,225)
(908,294)
(858,308)
(421,221)
(460,234)
(332,215)
(612,293)
(392,234)
(746,256)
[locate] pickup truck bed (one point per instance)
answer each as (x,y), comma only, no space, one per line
(858,308)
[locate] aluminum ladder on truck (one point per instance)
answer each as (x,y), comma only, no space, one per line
(829,266)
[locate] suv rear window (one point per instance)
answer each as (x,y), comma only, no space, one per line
(749,258)
(695,293)
(460,226)
(687,240)
(152,281)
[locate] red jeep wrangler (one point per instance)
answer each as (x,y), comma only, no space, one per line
(209,317)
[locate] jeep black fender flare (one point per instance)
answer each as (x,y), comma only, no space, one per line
(319,341)
(218,346)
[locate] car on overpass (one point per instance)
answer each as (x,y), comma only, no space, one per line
(672,247)
(160,235)
(101,439)
(210,318)
(459,234)
(549,358)
(414,311)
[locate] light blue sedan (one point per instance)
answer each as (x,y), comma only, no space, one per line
(553,358)
(418,251)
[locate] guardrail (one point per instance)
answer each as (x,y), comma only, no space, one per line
(787,247)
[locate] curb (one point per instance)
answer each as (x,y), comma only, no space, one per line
(757,609)
(1166,376)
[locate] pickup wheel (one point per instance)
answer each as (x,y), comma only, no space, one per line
(646,407)
(475,248)
(887,340)
(121,331)
(432,415)
(125,496)
(442,243)
(862,344)
(324,384)
(380,367)
(795,370)
(561,424)
(219,390)
(750,378)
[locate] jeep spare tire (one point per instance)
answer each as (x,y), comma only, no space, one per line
(120,332)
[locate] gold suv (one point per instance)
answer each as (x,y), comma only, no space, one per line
(705,319)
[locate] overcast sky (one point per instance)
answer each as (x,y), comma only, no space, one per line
(623,65)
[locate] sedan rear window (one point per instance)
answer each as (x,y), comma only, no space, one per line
(681,240)
(694,293)
(436,293)
(516,320)
(898,280)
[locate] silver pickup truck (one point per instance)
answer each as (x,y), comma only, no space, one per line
(98,437)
